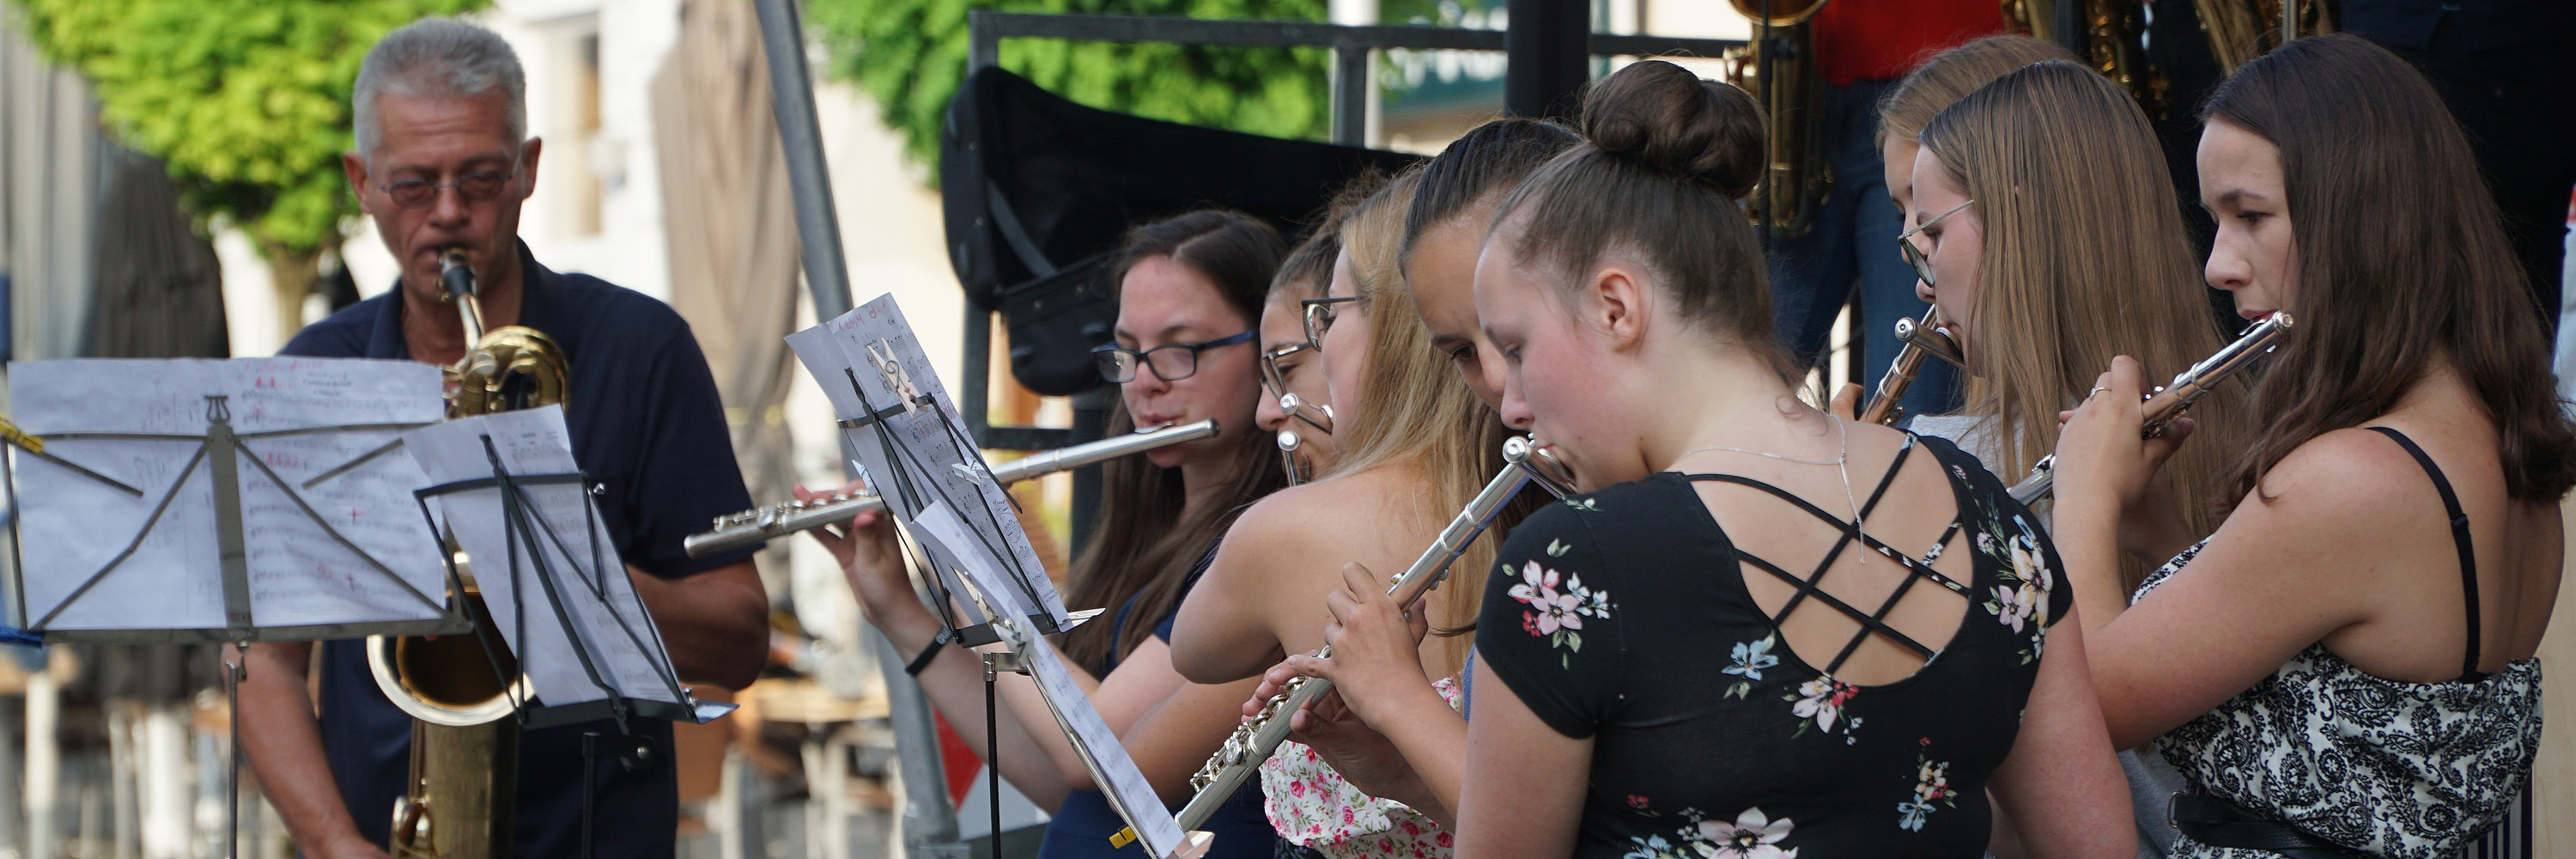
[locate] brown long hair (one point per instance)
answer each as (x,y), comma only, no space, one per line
(2402,261)
(1415,412)
(1665,157)
(2085,258)
(1143,548)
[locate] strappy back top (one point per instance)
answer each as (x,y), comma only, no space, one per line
(2380,766)
(1624,616)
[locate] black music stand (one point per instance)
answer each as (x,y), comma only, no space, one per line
(249,577)
(579,583)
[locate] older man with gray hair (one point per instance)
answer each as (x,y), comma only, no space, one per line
(444,161)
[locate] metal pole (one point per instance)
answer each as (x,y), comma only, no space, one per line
(930,824)
(2070,27)
(791,89)
(1548,56)
(1351,82)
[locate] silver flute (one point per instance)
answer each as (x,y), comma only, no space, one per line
(752,526)
(1254,740)
(1290,441)
(2167,402)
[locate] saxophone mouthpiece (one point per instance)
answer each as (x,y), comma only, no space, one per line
(455,274)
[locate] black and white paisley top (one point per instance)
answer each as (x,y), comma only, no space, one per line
(2415,770)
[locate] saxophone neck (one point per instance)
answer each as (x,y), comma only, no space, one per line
(457,284)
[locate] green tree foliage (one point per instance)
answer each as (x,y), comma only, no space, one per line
(246,100)
(910,55)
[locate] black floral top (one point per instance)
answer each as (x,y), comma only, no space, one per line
(1623,616)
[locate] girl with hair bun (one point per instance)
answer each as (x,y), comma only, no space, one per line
(1763,631)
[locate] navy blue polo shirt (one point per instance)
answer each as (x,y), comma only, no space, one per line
(646,423)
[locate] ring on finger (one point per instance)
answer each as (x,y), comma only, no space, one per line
(2096,390)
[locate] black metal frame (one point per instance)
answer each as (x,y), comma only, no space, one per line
(1350,46)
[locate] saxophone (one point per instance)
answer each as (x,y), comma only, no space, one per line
(2167,402)
(1779,68)
(1921,339)
(461,799)
(1252,743)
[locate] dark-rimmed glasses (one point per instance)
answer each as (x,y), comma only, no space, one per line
(473,187)
(1170,362)
(1318,314)
(1914,255)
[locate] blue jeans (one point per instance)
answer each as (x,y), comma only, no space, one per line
(1853,245)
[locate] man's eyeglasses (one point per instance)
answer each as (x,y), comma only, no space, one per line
(1914,255)
(1274,368)
(470,188)
(1170,363)
(1319,314)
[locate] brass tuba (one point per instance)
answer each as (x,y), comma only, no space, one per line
(1779,68)
(461,798)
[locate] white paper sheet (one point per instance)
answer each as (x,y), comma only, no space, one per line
(1126,786)
(73,526)
(607,620)
(927,441)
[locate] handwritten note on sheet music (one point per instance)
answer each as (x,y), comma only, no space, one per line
(582,573)
(1126,787)
(929,441)
(75,526)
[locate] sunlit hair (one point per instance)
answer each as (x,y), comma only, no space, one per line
(2085,258)
(440,58)
(1951,75)
(2402,260)
(1142,548)
(1414,412)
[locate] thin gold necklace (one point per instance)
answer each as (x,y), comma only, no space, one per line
(1841,463)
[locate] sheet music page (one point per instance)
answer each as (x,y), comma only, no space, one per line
(820,351)
(875,346)
(300,571)
(608,622)
(1126,786)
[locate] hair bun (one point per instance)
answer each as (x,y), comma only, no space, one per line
(1661,116)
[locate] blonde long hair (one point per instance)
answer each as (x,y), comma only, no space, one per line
(2085,258)
(1415,412)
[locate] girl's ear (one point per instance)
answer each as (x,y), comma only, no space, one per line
(1617,305)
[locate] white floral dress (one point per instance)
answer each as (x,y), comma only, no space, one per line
(1312,807)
